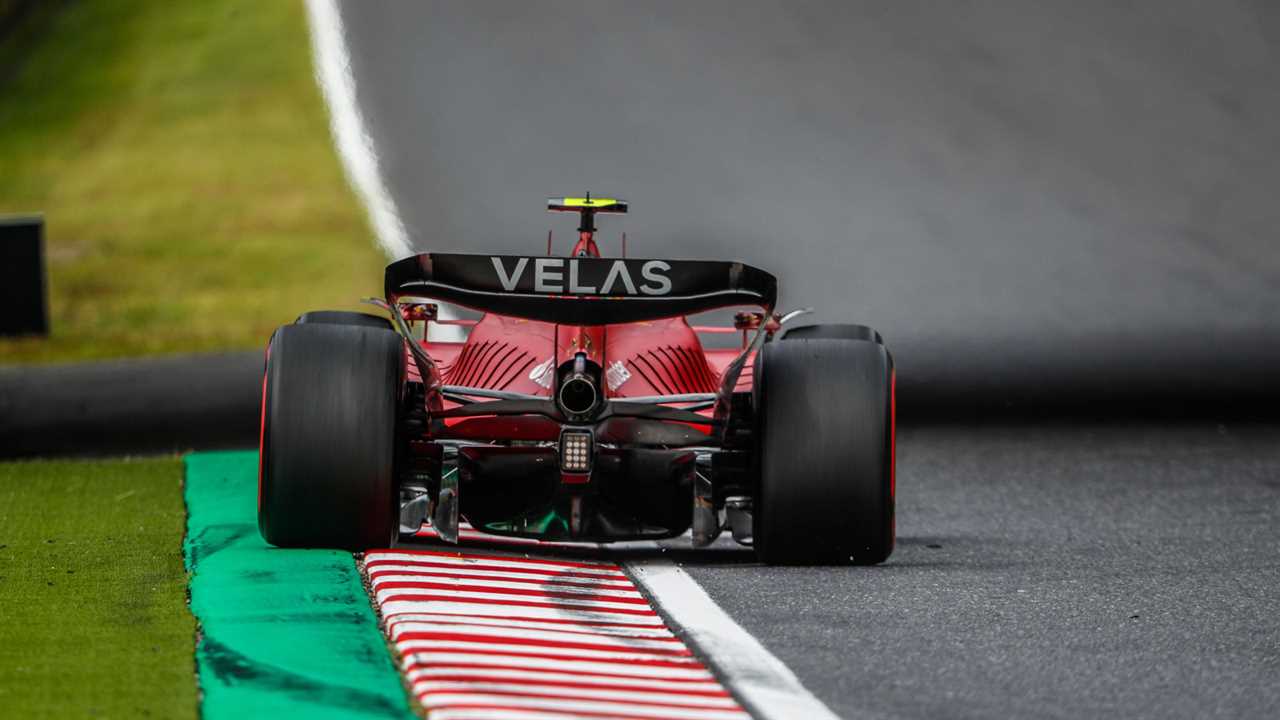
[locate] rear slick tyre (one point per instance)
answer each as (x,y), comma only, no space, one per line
(833,331)
(825,446)
(343,317)
(330,442)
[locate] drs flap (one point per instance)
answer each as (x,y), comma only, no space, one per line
(580,290)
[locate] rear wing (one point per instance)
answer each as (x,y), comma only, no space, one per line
(580,290)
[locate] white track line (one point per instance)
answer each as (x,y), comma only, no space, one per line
(355,145)
(764,684)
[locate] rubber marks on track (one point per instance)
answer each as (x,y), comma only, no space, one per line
(490,636)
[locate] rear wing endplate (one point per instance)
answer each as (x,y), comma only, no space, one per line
(580,290)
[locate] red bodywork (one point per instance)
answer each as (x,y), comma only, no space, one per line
(509,462)
(663,357)
(582,404)
(640,359)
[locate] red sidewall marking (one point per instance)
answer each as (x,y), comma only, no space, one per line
(893,457)
(262,424)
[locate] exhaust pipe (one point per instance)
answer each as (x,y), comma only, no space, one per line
(579,393)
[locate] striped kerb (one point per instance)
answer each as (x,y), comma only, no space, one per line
(491,636)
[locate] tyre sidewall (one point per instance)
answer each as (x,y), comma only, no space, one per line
(824,452)
(331,437)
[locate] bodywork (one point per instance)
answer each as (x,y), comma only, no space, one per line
(502,428)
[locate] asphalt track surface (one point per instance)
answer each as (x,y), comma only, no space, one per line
(1043,192)
(1110,570)
(1103,571)
(1058,205)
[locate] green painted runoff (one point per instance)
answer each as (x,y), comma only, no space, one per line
(284,633)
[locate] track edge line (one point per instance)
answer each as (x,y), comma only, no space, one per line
(764,685)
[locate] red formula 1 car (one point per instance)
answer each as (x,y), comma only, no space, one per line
(581,405)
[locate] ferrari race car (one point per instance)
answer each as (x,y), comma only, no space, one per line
(582,406)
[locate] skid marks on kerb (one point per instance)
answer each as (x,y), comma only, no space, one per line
(490,636)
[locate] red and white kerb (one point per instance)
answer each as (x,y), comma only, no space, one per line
(490,636)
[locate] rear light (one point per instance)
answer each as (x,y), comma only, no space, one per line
(575,451)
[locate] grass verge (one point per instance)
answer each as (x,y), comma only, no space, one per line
(181,155)
(93,613)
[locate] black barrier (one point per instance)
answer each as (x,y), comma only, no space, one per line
(23,306)
(212,401)
(151,405)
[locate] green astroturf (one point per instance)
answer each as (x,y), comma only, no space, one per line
(284,633)
(93,613)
